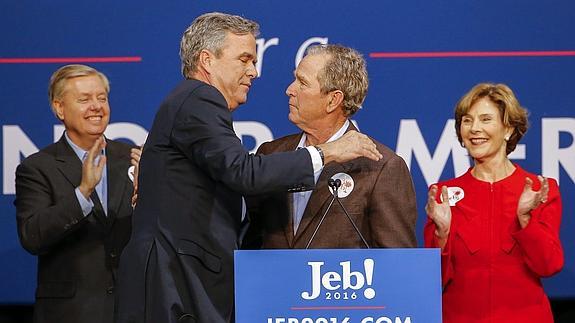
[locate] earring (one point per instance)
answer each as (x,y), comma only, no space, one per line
(462,144)
(506,138)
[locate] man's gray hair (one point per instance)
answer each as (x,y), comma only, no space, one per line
(345,70)
(208,31)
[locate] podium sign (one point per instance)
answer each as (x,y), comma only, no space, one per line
(338,286)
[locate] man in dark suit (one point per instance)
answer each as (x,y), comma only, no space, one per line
(178,265)
(329,87)
(76,215)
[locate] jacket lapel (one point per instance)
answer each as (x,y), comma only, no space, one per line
(321,194)
(69,164)
(117,179)
(289,145)
(320,197)
(288,229)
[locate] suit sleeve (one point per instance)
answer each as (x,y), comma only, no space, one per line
(44,215)
(393,210)
(253,239)
(203,132)
(539,240)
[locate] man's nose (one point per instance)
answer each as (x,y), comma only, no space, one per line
(96,105)
(252,71)
(289,89)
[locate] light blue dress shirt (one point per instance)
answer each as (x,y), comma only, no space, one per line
(300,199)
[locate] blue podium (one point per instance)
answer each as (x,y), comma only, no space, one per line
(338,286)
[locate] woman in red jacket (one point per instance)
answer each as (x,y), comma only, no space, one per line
(497,225)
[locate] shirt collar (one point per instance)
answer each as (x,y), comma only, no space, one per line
(335,136)
(79,151)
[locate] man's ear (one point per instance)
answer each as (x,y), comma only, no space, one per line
(335,100)
(59,109)
(205,60)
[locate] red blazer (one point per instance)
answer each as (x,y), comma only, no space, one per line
(491,267)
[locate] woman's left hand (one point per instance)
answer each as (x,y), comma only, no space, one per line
(531,199)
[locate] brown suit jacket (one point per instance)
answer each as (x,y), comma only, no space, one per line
(382,204)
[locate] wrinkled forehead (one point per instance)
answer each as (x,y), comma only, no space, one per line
(311,65)
(84,84)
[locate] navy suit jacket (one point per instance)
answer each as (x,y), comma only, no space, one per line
(77,255)
(178,265)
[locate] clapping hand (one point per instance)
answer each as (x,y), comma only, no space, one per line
(91,170)
(439,213)
(531,199)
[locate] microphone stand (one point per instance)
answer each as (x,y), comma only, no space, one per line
(353,223)
(335,185)
(331,183)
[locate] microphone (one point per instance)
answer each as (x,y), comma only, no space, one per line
(335,184)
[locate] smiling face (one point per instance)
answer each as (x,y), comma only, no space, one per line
(234,69)
(83,108)
(306,102)
(483,132)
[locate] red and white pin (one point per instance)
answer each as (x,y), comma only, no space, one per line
(455,194)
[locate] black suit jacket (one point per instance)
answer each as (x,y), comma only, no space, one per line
(77,255)
(178,265)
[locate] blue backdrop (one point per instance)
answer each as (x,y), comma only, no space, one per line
(422,57)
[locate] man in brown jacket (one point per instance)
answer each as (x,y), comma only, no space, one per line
(329,87)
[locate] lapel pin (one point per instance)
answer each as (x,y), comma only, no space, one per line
(455,194)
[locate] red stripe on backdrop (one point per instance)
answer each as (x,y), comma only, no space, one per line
(471,54)
(69,60)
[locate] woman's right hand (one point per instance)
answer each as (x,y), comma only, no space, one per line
(439,213)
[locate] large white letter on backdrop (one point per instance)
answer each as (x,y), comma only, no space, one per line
(15,143)
(306,44)
(552,155)
(410,143)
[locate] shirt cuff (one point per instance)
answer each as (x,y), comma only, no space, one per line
(315,158)
(86,205)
